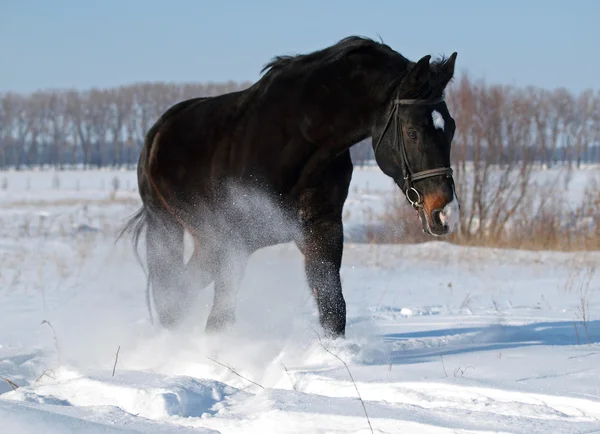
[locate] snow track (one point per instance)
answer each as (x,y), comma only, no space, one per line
(320,404)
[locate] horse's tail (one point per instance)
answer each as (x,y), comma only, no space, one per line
(139,221)
(135,226)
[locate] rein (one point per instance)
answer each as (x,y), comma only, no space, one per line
(411,193)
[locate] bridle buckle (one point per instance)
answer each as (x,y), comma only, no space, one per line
(414,197)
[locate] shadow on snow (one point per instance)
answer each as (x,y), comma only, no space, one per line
(491,338)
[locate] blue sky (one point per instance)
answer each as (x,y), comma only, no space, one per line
(99,43)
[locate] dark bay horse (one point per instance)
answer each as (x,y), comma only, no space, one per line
(286,139)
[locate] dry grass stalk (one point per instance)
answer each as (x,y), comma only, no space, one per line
(289,376)
(56,345)
(443,365)
(351,378)
(233,371)
(116,360)
(13,385)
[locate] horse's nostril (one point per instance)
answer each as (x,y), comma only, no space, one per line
(436,216)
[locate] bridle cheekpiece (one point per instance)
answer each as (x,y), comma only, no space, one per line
(409,177)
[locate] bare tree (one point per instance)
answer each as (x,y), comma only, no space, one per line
(121,103)
(595,130)
(7,118)
(143,113)
(80,114)
(491,153)
(101,107)
(59,126)
(585,105)
(514,177)
(36,111)
(21,130)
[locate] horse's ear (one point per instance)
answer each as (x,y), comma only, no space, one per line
(452,61)
(418,75)
(422,65)
(446,71)
(421,68)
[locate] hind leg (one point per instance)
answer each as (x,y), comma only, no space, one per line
(164,251)
(200,268)
(229,271)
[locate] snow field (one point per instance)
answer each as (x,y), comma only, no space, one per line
(441,338)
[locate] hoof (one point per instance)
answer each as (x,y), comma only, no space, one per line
(217,323)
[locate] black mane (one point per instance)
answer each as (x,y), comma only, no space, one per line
(341,49)
(305,64)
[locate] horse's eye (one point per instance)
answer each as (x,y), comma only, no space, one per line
(412,134)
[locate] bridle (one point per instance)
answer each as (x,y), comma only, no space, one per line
(412,194)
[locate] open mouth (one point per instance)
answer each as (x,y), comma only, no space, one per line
(432,226)
(440,221)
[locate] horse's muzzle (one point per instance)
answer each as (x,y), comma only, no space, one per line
(441,220)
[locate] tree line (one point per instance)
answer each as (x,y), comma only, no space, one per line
(106,127)
(92,128)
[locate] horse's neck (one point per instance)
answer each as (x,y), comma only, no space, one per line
(349,114)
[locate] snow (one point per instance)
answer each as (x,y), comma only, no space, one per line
(440,338)
(450,215)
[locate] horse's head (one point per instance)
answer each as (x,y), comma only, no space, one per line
(412,144)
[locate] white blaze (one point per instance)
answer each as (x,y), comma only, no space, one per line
(450,214)
(438,120)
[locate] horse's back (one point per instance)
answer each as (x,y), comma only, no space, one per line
(219,138)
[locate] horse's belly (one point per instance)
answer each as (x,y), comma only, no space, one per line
(262,223)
